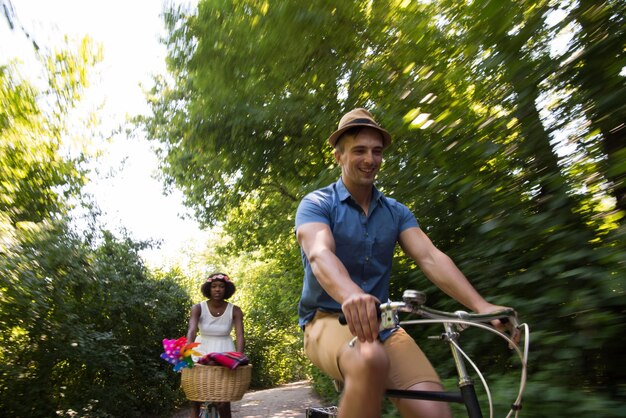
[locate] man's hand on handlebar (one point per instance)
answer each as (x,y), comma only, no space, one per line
(503,326)
(361,315)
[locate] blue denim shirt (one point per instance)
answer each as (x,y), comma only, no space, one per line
(364,244)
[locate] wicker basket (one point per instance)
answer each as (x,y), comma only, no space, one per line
(215,383)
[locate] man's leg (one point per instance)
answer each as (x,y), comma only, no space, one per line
(415,408)
(410,369)
(364,369)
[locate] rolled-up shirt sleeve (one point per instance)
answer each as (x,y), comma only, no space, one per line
(313,208)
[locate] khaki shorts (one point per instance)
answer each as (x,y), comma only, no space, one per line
(325,339)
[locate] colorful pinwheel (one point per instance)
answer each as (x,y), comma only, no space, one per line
(178,353)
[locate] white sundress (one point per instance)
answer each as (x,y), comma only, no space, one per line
(214,335)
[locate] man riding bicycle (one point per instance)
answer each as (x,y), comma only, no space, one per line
(347,232)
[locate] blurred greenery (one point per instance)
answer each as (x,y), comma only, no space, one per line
(508,126)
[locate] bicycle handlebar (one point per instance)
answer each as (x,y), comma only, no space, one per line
(413,302)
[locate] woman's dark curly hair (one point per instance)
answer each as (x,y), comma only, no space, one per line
(206,286)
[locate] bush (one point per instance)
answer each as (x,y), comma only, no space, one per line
(81,328)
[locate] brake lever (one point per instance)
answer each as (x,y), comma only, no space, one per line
(512,326)
(509,322)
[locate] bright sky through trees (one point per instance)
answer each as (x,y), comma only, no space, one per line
(124,183)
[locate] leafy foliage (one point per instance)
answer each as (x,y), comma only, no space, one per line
(81,329)
(34,177)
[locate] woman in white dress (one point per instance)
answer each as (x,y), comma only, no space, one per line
(215,318)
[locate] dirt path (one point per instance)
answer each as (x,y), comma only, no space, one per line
(290,400)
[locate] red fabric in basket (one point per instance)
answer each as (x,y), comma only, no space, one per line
(230,359)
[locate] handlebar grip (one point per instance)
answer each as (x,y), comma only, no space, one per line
(342,318)
(509,318)
(506,320)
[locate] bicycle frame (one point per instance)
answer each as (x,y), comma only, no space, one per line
(466,394)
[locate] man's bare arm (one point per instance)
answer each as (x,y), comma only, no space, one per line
(318,244)
(441,270)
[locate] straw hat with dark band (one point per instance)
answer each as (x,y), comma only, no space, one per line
(358,117)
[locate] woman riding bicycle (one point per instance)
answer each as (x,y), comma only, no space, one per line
(215,318)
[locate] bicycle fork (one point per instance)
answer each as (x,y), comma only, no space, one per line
(465,383)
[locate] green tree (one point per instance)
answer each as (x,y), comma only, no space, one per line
(34,177)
